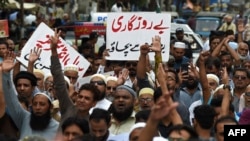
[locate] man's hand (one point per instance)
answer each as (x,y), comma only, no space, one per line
(8,62)
(34,54)
(55,39)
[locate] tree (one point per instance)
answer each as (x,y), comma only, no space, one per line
(3,3)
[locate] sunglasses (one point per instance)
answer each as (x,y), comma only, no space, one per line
(98,82)
(240,77)
(113,88)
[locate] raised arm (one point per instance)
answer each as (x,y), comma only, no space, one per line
(65,103)
(34,55)
(2,102)
(161,77)
(241,29)
(15,110)
(203,76)
(161,109)
(216,51)
(232,51)
(227,94)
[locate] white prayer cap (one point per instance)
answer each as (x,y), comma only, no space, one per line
(137,125)
(113,78)
(214,77)
(40,93)
(71,67)
(179,45)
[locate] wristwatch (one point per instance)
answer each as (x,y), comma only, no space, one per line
(225,86)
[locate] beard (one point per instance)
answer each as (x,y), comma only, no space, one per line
(122,116)
(39,123)
(191,85)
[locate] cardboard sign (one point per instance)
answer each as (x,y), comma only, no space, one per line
(126,32)
(4,29)
(66,54)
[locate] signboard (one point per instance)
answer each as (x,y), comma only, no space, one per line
(4,29)
(126,32)
(66,54)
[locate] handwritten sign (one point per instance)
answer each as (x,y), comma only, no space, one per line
(66,54)
(126,32)
(4,29)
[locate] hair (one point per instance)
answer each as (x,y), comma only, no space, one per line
(223,53)
(243,70)
(92,88)
(204,115)
(179,127)
(213,61)
(157,94)
(26,75)
(80,122)
(99,114)
(176,75)
(142,115)
(217,101)
(224,119)
(5,43)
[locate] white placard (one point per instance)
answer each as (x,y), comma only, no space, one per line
(66,54)
(126,32)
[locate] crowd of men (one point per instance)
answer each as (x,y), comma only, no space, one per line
(175,100)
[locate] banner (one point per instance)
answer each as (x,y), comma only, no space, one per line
(126,32)
(66,54)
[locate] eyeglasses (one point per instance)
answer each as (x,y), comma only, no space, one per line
(98,82)
(49,82)
(175,139)
(128,64)
(247,93)
(113,88)
(142,100)
(240,77)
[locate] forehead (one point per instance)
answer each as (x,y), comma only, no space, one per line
(71,72)
(23,80)
(146,95)
(3,46)
(240,72)
(122,92)
(179,49)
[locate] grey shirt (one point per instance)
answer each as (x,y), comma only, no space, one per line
(20,116)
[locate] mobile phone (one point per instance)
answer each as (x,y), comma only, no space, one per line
(184,67)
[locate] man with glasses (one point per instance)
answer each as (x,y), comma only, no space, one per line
(146,98)
(99,80)
(111,87)
(241,80)
(71,71)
